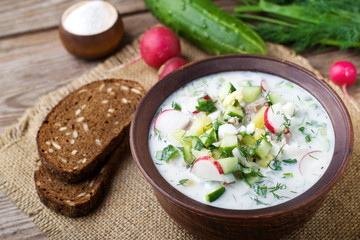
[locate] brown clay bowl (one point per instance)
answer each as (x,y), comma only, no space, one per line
(216,223)
(92,46)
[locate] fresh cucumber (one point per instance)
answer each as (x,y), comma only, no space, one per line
(250,94)
(208,26)
(275,98)
(208,137)
(215,194)
(225,90)
(228,143)
(263,149)
(187,155)
(234,112)
(248,140)
(245,83)
(229,164)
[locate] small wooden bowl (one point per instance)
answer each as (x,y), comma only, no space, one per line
(92,46)
(216,223)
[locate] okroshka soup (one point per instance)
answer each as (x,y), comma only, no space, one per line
(241,140)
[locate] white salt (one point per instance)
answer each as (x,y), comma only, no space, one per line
(89,18)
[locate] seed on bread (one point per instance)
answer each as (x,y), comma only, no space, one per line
(93,129)
(77,199)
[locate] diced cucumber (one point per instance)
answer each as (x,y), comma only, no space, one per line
(215,194)
(275,98)
(248,140)
(229,164)
(234,112)
(245,83)
(228,143)
(178,134)
(193,141)
(323,130)
(208,137)
(187,155)
(225,90)
(202,153)
(263,149)
(250,94)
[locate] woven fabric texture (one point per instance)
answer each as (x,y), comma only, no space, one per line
(130,209)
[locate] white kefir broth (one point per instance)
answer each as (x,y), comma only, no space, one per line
(239,195)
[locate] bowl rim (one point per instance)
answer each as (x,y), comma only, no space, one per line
(316,192)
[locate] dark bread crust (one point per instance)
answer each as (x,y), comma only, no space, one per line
(78,199)
(83,128)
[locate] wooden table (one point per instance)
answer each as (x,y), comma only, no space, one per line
(33,62)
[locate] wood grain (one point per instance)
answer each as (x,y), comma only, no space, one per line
(33,62)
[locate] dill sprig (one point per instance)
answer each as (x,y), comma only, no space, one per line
(306,23)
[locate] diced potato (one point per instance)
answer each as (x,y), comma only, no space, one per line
(199,126)
(259,133)
(258,119)
(230,99)
(264,162)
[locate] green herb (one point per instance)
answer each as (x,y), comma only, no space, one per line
(176,106)
(183,182)
(288,175)
(308,138)
(261,191)
(260,202)
(278,186)
(289,85)
(306,23)
(313,157)
(205,104)
(167,153)
(299,98)
(290,160)
(302,129)
(190,164)
(275,165)
(286,124)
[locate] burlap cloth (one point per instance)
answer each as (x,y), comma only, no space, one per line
(130,210)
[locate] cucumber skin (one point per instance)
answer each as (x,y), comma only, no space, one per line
(207,26)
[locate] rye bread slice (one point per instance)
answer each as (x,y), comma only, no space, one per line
(77,199)
(83,128)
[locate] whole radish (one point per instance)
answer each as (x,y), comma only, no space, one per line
(343,73)
(171,65)
(158,45)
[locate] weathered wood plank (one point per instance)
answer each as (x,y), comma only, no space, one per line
(25,16)
(32,65)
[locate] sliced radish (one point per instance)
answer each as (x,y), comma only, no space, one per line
(208,169)
(274,119)
(229,178)
(264,86)
(289,108)
(226,129)
(310,162)
(171,119)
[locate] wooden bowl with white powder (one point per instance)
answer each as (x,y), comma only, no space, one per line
(91,29)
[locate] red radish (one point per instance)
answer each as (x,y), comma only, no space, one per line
(195,112)
(306,160)
(208,169)
(343,73)
(264,86)
(171,65)
(207,97)
(274,119)
(169,120)
(158,45)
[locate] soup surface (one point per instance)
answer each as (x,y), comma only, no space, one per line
(241,140)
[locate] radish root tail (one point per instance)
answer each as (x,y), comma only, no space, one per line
(348,97)
(126,64)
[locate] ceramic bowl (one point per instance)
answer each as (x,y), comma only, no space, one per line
(92,46)
(216,223)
